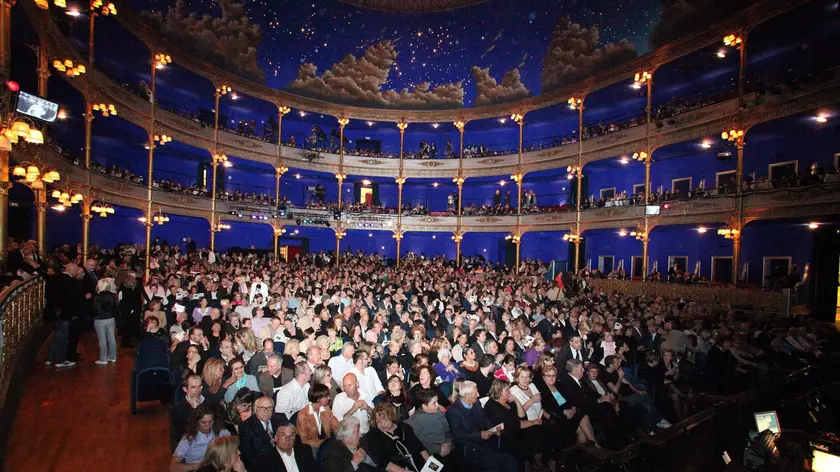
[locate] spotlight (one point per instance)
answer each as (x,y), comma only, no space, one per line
(701,230)
(366,182)
(721,54)
(370,123)
(624,161)
(706,145)
(435,125)
(297,231)
(813,225)
(821,118)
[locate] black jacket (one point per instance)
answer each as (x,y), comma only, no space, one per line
(63,297)
(255,444)
(105,306)
(270,461)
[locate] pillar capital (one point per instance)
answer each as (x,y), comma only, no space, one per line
(460,125)
(343,121)
(459,180)
(518,117)
(280,170)
(86,217)
(402,125)
(341,177)
(283,110)
(400,181)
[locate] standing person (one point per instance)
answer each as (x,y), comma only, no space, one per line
(82,316)
(131,306)
(105,313)
(62,296)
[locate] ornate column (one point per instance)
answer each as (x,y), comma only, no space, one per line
(736,256)
(278,232)
(5,39)
(398,235)
(217,159)
(576,103)
(457,237)
(646,78)
(339,234)
(91,29)
(150,170)
(516,239)
(5,185)
(342,122)
(88,133)
(402,125)
(279,168)
(460,179)
(519,118)
(43,69)
(41,225)
(573,236)
(86,217)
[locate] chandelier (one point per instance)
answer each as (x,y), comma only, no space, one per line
(574,171)
(15,129)
(104,8)
(729,233)
(161,60)
(641,78)
(732,135)
(106,109)
(69,68)
(572,238)
(640,156)
(160,218)
(67,196)
(102,208)
(36,175)
(163,139)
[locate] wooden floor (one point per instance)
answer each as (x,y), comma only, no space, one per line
(78,419)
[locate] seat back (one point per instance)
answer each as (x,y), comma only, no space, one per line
(151,353)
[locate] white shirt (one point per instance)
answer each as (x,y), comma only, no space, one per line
(369,383)
(289,461)
(316,414)
(342,404)
(533,412)
(291,398)
(340,365)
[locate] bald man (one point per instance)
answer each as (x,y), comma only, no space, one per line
(352,402)
(256,434)
(64,298)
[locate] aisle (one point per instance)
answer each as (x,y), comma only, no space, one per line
(77,419)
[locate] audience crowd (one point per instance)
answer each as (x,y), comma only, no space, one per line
(315,367)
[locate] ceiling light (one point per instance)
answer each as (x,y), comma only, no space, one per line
(821,118)
(366,182)
(302,113)
(73,13)
(234,96)
(297,176)
(435,184)
(502,120)
(370,123)
(813,225)
(624,160)
(434,236)
(435,125)
(706,145)
(370,235)
(721,53)
(701,230)
(622,233)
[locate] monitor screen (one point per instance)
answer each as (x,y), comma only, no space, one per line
(825,462)
(37,107)
(767,420)
(652,210)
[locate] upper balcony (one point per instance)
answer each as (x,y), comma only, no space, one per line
(808,201)
(689,125)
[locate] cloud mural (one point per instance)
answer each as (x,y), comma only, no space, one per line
(574,53)
(684,16)
(230,41)
(360,80)
(489,92)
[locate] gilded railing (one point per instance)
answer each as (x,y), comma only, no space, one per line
(705,296)
(21,307)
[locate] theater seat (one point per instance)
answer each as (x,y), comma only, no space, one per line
(151,379)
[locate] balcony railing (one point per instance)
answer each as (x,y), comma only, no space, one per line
(21,307)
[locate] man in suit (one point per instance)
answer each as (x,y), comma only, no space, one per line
(63,296)
(571,386)
(572,350)
(196,338)
(653,340)
(257,434)
(286,452)
(259,361)
(275,376)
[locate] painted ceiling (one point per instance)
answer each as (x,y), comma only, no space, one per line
(425,53)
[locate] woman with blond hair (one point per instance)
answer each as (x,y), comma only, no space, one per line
(245,343)
(105,312)
(222,456)
(212,390)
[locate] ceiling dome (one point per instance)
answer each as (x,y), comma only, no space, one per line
(412,6)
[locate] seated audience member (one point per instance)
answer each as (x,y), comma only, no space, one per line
(239,410)
(446,370)
(634,398)
(222,456)
(343,363)
(426,380)
(195,338)
(432,429)
(202,427)
(578,394)
(483,377)
(521,436)
(316,423)
(471,431)
(323,375)
(239,379)
(180,412)
(344,454)
(507,369)
(287,455)
(258,362)
(397,396)
(257,432)
(568,418)
(351,402)
(152,328)
(369,382)
(212,389)
(294,396)
(274,377)
(392,444)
